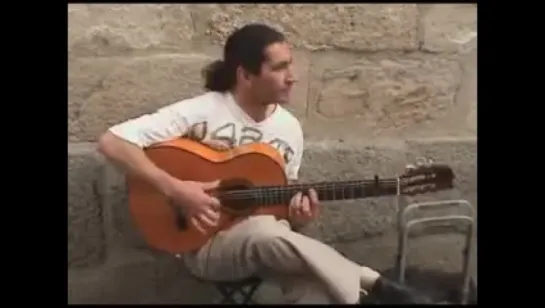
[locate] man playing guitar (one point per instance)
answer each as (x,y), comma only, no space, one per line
(246,91)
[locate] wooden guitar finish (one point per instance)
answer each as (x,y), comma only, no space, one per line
(252,183)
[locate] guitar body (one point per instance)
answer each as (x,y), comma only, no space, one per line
(159,220)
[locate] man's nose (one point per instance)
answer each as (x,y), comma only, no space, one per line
(291,78)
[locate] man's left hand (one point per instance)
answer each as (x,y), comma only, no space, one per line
(303,208)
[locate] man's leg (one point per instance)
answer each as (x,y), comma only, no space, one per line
(303,289)
(262,245)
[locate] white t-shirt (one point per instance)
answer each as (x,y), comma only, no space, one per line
(216,116)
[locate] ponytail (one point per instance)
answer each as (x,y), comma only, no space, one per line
(217,77)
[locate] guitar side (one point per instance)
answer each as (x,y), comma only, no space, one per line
(157,219)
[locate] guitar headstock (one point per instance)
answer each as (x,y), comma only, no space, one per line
(424,177)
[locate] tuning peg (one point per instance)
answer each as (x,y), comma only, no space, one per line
(410,167)
(422,161)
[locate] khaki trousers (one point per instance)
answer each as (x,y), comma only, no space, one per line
(307,271)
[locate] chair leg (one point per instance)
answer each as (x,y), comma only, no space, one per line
(230,292)
(249,295)
(227,295)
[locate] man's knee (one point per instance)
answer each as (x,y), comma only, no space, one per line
(269,240)
(264,238)
(266,230)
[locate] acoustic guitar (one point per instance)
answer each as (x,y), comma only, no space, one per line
(252,182)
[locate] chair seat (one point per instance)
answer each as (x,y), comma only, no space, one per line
(241,282)
(236,291)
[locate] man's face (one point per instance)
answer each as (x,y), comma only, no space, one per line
(276,79)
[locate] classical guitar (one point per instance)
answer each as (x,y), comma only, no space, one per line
(252,183)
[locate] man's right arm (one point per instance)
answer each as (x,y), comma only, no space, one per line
(132,159)
(123,143)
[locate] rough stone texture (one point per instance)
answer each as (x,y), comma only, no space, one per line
(128,88)
(467,95)
(84,78)
(129,279)
(448,27)
(120,228)
(118,29)
(461,118)
(137,277)
(370,27)
(85,231)
(380,94)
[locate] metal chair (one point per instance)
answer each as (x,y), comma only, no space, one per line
(405,225)
(233,292)
(238,292)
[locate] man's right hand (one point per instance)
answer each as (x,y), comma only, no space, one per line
(201,208)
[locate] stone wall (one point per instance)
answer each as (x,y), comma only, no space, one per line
(379,85)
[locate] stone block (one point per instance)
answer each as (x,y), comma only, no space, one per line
(355,219)
(176,286)
(128,88)
(126,280)
(135,277)
(360,27)
(467,94)
(448,27)
(461,119)
(85,232)
(386,94)
(84,79)
(118,29)
(120,228)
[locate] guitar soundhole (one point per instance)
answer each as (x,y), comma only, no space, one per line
(234,203)
(181,222)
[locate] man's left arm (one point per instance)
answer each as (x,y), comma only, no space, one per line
(295,227)
(292,172)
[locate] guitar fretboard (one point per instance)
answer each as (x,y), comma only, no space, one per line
(326,191)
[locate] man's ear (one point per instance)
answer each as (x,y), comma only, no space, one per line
(243,74)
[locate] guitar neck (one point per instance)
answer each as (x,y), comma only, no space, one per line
(326,191)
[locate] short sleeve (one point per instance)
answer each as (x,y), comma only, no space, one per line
(293,167)
(165,124)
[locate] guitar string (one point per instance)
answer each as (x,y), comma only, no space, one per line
(265,191)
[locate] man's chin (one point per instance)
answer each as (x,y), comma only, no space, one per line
(283,99)
(280,99)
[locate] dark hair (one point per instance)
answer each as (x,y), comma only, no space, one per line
(244,47)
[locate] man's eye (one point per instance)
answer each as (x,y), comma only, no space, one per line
(281,66)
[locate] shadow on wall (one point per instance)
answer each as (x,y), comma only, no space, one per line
(441,286)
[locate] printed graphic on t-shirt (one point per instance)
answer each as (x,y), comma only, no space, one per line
(227,133)
(197,132)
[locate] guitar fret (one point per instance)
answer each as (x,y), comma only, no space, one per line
(326,191)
